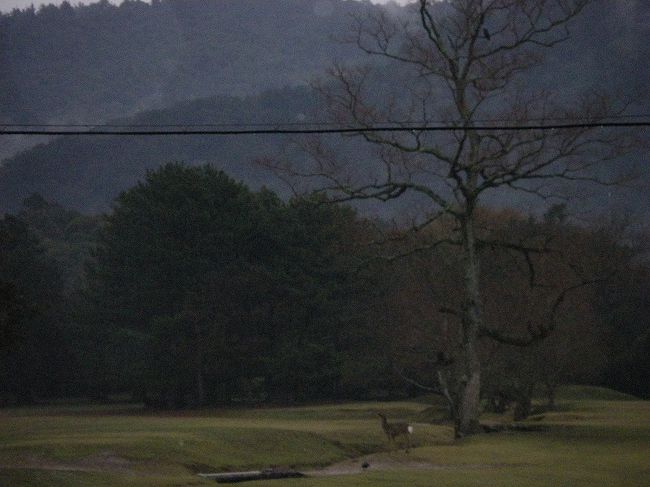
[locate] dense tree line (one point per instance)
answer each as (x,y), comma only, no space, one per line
(230,294)
(419,316)
(42,251)
(196,290)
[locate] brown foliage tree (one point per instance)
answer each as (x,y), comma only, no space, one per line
(461,60)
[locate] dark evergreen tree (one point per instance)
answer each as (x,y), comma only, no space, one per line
(34,356)
(220,293)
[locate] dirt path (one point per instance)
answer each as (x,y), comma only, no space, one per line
(102,462)
(379,462)
(383,463)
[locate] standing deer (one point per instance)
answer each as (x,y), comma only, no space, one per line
(393,430)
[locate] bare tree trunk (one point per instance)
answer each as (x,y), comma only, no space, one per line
(550,393)
(524,402)
(470,380)
(200,384)
(198,369)
(451,404)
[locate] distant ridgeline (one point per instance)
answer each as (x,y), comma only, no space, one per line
(67,63)
(199,61)
(87,172)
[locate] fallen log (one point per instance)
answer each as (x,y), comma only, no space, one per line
(266,474)
(508,427)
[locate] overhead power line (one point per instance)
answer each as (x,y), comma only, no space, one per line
(278,124)
(136,131)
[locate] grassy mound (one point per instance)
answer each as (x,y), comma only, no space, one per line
(577,393)
(98,442)
(595,442)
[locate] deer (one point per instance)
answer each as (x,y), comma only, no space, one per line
(393,430)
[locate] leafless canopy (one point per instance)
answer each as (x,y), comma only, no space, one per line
(460,61)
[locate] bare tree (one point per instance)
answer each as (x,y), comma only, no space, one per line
(462,61)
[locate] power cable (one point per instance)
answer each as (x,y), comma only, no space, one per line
(276,125)
(336,130)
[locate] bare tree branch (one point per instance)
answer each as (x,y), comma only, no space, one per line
(535,334)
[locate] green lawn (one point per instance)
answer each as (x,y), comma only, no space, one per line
(590,442)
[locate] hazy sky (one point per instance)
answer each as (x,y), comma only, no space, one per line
(8,5)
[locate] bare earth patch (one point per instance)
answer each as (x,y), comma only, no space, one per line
(101,462)
(381,463)
(109,462)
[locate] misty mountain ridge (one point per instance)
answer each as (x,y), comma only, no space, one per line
(116,60)
(86,173)
(92,63)
(141,63)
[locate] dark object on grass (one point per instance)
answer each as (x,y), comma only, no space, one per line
(266,474)
(365,465)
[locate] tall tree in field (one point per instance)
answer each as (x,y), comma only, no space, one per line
(463,61)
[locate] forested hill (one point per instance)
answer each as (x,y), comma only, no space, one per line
(86,173)
(86,63)
(100,61)
(151,63)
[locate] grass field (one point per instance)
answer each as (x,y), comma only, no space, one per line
(596,438)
